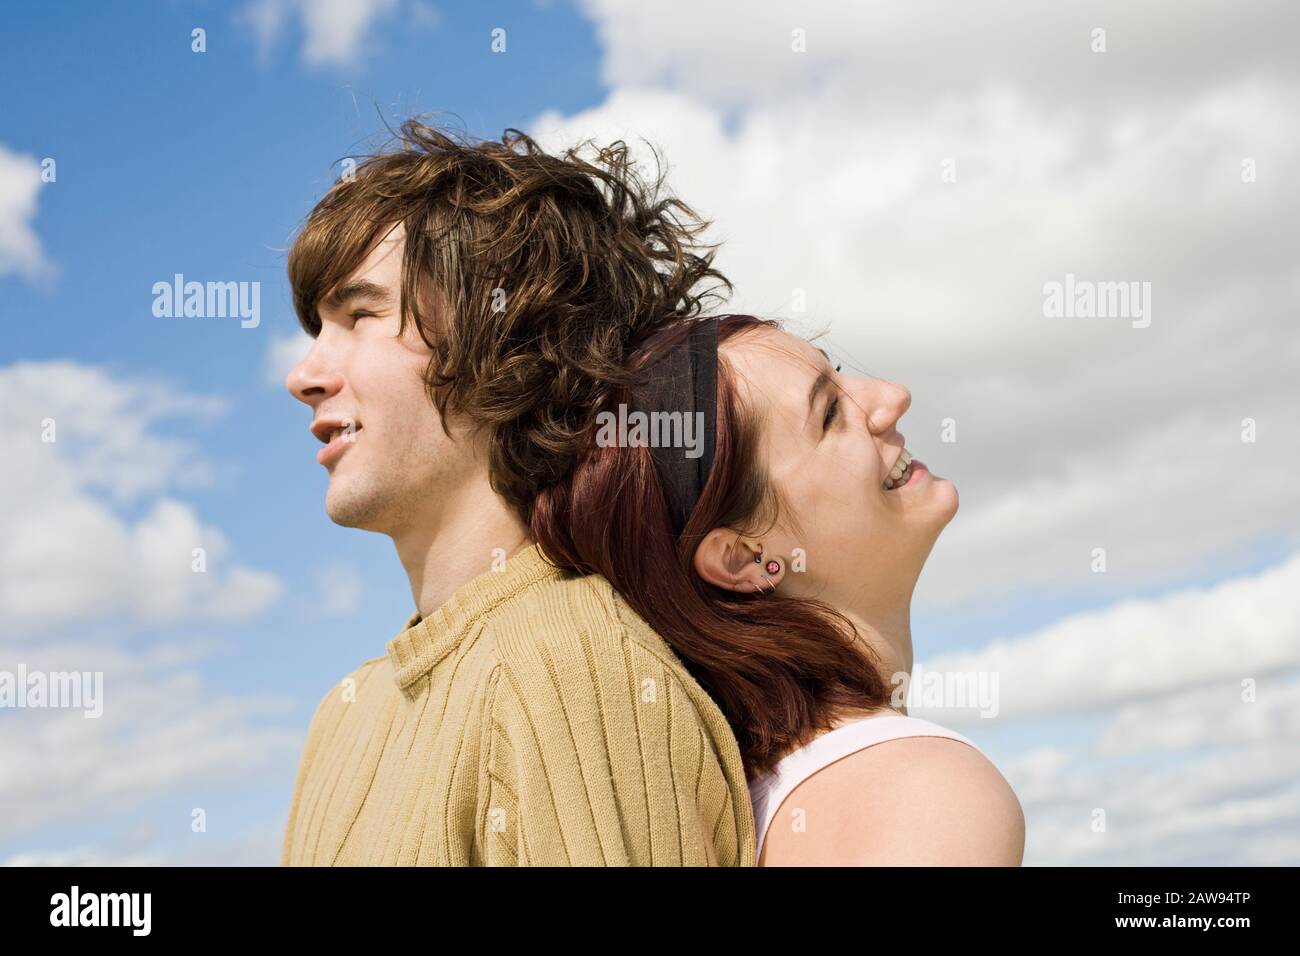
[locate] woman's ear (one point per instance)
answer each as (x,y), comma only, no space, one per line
(727,560)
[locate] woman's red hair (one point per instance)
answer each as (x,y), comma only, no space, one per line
(782,670)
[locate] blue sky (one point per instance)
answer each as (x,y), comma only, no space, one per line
(204,164)
(822,174)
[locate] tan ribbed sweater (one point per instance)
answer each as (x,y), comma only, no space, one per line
(531,720)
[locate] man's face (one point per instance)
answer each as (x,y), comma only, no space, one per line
(390,464)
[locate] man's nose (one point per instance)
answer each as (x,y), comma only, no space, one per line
(314,377)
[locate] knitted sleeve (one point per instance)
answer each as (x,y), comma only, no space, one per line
(594,755)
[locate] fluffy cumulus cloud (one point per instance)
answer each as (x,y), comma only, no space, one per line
(282,354)
(1201,777)
(88,502)
(98,534)
(1182,715)
(159,729)
(1246,628)
(912,183)
(252,848)
(339,587)
(20,187)
(910,179)
(904,53)
(334,32)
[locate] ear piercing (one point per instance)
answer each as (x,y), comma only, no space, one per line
(773,567)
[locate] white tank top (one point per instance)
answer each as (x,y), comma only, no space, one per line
(794,768)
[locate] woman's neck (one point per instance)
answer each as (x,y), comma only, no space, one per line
(887,633)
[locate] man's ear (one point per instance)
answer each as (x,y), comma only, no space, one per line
(726,559)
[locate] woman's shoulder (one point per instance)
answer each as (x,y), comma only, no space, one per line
(905,800)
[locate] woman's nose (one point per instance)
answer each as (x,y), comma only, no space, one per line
(885,402)
(895,401)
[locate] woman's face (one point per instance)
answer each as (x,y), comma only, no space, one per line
(828,443)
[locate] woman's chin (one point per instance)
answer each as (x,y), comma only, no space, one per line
(947,492)
(936,499)
(940,496)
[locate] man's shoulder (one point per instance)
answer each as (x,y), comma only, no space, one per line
(579,634)
(346,688)
(581,679)
(580,623)
(366,670)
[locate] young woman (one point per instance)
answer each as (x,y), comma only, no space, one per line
(777,553)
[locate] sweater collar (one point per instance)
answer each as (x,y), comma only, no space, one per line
(422,643)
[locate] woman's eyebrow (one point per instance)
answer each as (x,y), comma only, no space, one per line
(822,381)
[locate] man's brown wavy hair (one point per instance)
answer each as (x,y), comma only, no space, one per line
(530,276)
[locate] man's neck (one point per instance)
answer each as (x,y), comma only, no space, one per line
(442,554)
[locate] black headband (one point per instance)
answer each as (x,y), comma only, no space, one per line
(684,379)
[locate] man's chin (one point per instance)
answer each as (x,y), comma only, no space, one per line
(349,510)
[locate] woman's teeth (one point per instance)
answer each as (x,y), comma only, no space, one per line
(901,472)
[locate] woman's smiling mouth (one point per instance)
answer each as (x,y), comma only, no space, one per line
(904,471)
(898,475)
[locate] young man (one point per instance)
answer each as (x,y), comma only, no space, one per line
(471,305)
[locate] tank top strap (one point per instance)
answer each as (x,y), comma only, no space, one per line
(768,792)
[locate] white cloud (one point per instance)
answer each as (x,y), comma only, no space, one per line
(1177,815)
(424,15)
(822,173)
(1197,778)
(84,856)
(1216,715)
(95,534)
(334,31)
(282,354)
(257,847)
(1186,767)
(1248,627)
(901,52)
(20,185)
(160,729)
(90,529)
(340,587)
(1070,434)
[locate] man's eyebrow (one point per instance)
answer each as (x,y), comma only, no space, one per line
(357,289)
(822,381)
